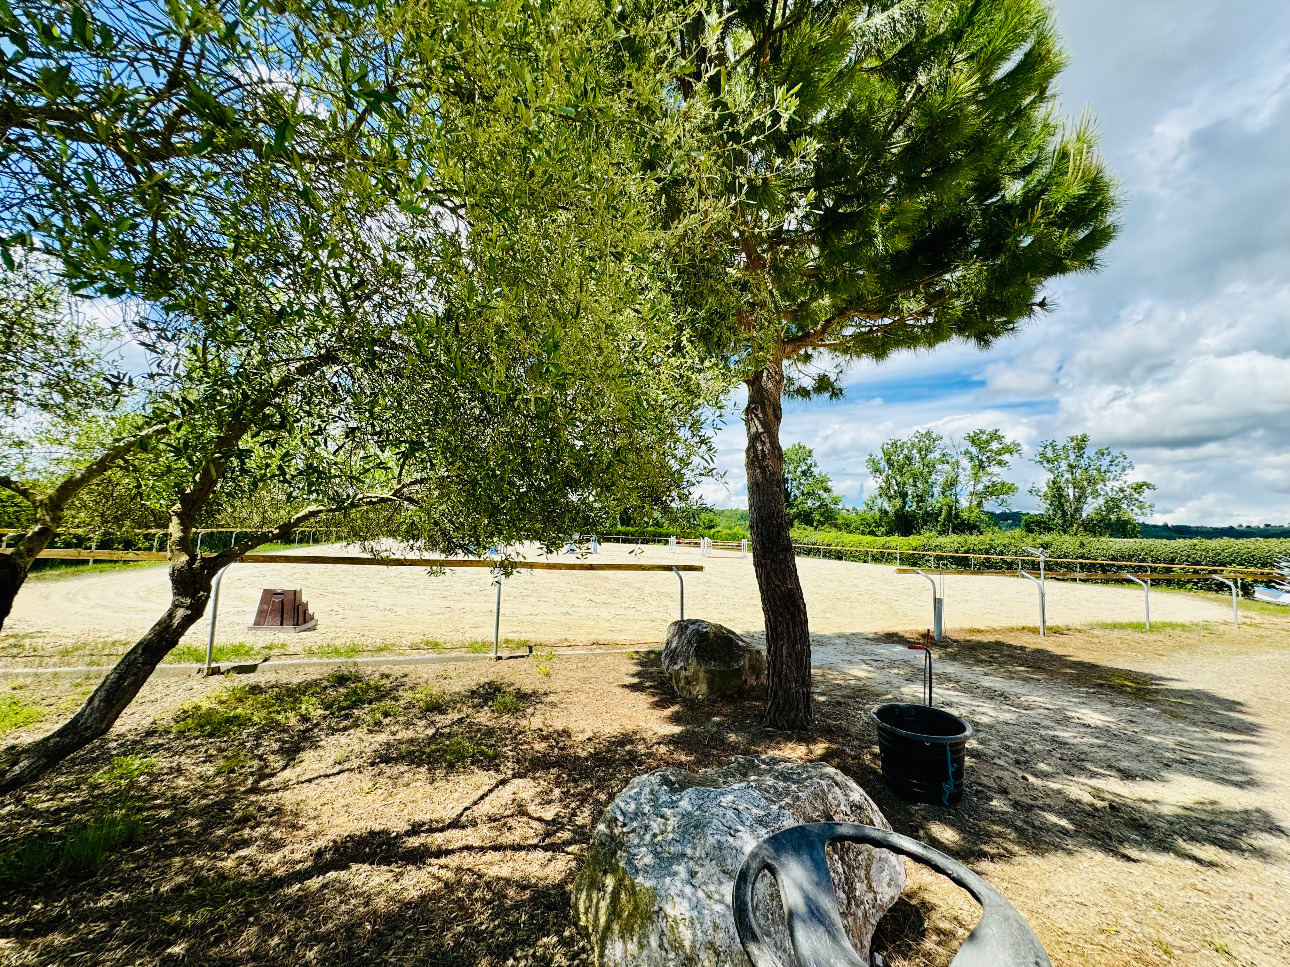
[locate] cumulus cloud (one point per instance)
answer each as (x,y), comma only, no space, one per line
(1179,351)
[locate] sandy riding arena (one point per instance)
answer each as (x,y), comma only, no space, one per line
(87,619)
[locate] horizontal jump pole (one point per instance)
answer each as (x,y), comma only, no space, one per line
(1087,575)
(161,557)
(159,530)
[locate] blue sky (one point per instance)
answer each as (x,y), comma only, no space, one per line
(1178,352)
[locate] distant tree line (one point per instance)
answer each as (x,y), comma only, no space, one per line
(927,484)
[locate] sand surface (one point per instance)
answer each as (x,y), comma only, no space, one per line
(1127,792)
(404,606)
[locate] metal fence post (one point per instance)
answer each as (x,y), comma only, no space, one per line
(682,580)
(1146,591)
(1043,617)
(497,620)
(1040,553)
(1236,612)
(938,607)
(210,635)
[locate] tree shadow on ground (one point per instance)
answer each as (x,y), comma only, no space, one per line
(230,872)
(1067,755)
(233,870)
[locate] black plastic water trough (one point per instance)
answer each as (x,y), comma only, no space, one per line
(922,749)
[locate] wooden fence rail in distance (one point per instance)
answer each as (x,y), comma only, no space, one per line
(1088,575)
(1243,571)
(72,554)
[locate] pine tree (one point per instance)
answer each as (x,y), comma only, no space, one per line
(887,176)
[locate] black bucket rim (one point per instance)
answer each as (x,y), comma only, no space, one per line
(963,736)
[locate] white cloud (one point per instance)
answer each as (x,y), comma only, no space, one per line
(1179,351)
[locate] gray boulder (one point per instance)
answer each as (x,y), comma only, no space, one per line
(705,660)
(656,887)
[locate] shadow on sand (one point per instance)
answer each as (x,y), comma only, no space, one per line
(1069,756)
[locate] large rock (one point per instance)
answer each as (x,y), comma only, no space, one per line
(656,887)
(705,660)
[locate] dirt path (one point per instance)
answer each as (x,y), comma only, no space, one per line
(1127,791)
(1136,811)
(96,616)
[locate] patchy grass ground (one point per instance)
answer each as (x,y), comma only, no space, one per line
(1128,792)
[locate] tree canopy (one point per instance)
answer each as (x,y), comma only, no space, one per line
(807,490)
(1089,491)
(382,256)
(888,176)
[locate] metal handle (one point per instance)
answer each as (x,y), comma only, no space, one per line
(797,858)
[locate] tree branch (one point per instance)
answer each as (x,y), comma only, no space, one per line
(224,558)
(26,493)
(74,484)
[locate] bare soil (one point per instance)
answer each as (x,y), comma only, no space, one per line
(1127,791)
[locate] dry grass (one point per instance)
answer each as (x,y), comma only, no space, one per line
(1124,791)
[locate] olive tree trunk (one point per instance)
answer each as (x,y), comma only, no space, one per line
(16,565)
(788,638)
(49,509)
(190,589)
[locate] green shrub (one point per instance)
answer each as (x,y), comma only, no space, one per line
(507,703)
(1004,549)
(125,770)
(457,750)
(430,699)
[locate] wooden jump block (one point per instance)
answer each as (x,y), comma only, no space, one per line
(283,609)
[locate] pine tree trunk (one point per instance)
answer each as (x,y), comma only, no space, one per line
(788,638)
(190,585)
(15,566)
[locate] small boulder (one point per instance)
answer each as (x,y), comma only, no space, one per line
(705,660)
(656,888)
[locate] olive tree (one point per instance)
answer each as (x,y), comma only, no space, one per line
(422,278)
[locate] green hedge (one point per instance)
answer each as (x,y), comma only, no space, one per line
(1007,546)
(663,533)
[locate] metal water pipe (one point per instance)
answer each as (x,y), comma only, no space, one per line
(1040,553)
(210,635)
